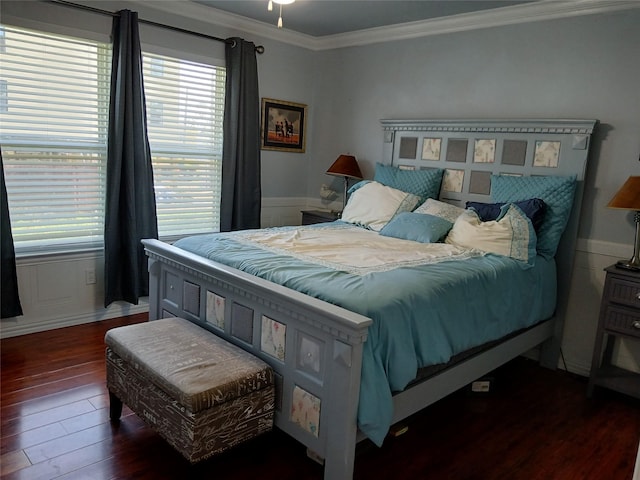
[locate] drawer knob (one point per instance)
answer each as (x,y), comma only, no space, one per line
(636,324)
(638,296)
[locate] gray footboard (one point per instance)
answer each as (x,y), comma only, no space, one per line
(314,347)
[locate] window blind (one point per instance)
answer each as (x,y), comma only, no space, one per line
(185,110)
(54,100)
(53,134)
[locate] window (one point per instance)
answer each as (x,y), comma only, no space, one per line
(54,101)
(185,109)
(4,104)
(154,113)
(54,137)
(156,66)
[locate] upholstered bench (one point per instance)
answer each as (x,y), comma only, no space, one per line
(199,392)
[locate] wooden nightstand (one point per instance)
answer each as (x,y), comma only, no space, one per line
(619,317)
(309,217)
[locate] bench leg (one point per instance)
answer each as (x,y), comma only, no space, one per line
(115,407)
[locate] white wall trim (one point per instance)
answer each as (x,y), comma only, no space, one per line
(274,202)
(598,247)
(14,327)
(224,19)
(524,13)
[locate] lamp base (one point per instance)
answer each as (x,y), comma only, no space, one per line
(633,263)
(627,265)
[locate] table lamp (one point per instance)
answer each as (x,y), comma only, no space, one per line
(628,198)
(345,166)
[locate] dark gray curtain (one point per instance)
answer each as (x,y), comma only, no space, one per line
(130,213)
(10,304)
(241,190)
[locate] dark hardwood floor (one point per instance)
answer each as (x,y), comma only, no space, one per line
(535,424)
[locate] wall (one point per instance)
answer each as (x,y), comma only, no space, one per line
(59,290)
(582,67)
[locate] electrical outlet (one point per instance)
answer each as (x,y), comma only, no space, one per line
(481,386)
(90,276)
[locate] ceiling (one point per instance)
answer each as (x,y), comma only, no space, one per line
(330,24)
(321,18)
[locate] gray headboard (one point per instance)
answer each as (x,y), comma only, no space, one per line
(470,151)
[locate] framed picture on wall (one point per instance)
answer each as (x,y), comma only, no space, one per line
(283,125)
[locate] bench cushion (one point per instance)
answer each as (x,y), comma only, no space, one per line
(203,372)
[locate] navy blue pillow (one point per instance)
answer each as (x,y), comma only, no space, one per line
(532,208)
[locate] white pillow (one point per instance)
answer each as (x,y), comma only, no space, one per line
(512,234)
(440,209)
(374,204)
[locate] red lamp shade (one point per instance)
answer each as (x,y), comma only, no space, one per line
(345,166)
(628,197)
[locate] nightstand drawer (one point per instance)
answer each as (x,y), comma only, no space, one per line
(624,291)
(622,320)
(619,318)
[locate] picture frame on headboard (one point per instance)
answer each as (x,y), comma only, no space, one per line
(283,126)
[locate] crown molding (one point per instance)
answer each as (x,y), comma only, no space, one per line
(517,14)
(202,13)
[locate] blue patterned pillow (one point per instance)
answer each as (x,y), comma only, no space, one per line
(423,183)
(557,193)
(418,227)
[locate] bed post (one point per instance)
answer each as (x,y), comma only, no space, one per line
(551,349)
(154,293)
(343,410)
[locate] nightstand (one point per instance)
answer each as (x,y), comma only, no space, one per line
(619,318)
(309,217)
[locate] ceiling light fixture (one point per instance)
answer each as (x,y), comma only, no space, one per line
(279,2)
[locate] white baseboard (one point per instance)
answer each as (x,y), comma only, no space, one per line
(16,326)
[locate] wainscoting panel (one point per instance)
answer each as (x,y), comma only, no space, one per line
(62,290)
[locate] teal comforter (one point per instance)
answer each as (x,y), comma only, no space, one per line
(422,314)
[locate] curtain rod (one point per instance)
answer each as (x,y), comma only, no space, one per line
(259,48)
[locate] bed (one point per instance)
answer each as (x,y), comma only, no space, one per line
(331,325)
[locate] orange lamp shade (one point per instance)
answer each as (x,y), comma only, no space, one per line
(345,166)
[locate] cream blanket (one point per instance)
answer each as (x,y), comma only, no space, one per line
(353,249)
